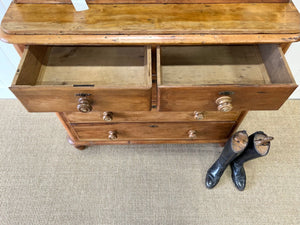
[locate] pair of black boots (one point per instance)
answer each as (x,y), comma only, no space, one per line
(237,150)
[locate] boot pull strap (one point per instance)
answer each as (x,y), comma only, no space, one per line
(263,141)
(239,141)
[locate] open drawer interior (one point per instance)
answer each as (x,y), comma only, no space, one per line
(85,66)
(84,78)
(214,65)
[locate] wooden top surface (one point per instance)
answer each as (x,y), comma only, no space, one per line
(152,19)
(149,1)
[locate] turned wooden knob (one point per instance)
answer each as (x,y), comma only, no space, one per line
(112,135)
(84,105)
(198,115)
(107,116)
(224,104)
(192,134)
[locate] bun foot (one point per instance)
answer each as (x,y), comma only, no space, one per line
(79,147)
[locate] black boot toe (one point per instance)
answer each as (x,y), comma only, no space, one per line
(238,175)
(211,181)
(240,182)
(240,185)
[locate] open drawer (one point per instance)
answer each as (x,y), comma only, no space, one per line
(78,78)
(224,78)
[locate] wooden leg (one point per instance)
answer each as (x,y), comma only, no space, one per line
(71,142)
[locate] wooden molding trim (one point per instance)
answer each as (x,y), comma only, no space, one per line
(149,1)
(147,39)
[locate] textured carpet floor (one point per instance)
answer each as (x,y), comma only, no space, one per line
(44,180)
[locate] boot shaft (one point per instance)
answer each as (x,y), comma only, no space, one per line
(233,147)
(258,146)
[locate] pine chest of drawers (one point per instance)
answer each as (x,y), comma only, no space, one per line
(152,73)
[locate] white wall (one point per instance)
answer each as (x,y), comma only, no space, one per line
(293,58)
(9,60)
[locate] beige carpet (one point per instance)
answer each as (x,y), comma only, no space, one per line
(43,180)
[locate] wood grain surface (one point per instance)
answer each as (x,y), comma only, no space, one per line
(150,1)
(76,143)
(154,115)
(105,66)
(40,93)
(196,39)
(182,96)
(65,99)
(147,19)
(264,97)
(203,65)
(154,130)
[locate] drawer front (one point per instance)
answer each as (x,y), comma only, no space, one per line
(106,117)
(223,78)
(157,131)
(66,99)
(69,79)
(242,98)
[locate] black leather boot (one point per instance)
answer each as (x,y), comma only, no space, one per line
(233,148)
(258,146)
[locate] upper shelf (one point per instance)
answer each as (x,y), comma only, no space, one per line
(152,19)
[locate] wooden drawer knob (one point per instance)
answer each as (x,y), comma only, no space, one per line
(192,134)
(112,135)
(107,116)
(224,104)
(84,105)
(198,115)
